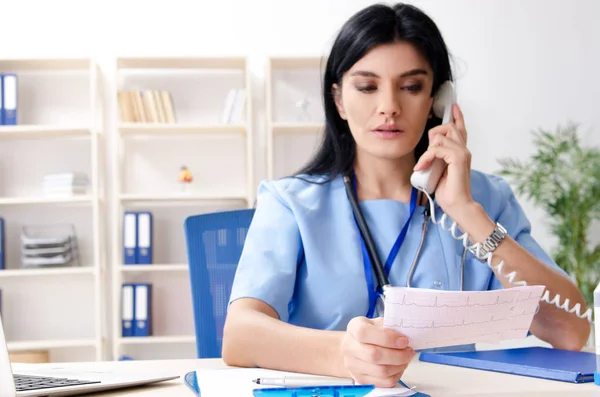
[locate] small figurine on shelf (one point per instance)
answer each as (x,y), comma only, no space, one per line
(303,105)
(185,177)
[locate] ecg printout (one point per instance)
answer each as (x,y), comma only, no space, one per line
(433,318)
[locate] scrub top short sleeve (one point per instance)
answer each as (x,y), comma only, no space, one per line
(267,266)
(518,226)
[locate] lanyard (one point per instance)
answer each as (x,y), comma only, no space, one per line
(392,255)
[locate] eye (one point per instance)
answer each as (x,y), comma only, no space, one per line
(413,88)
(366,88)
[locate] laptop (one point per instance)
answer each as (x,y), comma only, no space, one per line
(39,382)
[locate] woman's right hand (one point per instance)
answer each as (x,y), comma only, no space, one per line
(373,354)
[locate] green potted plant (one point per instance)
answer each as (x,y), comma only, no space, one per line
(563,178)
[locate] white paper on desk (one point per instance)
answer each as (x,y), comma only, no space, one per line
(433,318)
(238,382)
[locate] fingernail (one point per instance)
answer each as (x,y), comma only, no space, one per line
(401,342)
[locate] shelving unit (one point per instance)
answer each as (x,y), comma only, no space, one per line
(60,109)
(293,110)
(147,158)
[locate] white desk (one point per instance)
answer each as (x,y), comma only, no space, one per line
(433,379)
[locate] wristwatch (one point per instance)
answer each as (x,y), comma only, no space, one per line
(490,244)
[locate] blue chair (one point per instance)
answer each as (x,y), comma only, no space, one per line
(214,244)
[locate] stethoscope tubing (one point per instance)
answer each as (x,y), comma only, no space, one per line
(378,268)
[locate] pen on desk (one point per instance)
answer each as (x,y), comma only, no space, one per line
(303,381)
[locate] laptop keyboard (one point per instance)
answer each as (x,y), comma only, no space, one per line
(27,382)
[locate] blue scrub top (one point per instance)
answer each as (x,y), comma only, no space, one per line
(302,254)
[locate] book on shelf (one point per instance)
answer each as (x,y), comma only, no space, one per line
(147,106)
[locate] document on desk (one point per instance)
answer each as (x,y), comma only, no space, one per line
(434,318)
(238,382)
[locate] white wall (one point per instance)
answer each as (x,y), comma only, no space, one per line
(521,64)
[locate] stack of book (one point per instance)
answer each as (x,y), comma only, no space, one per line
(49,246)
(65,184)
(148,106)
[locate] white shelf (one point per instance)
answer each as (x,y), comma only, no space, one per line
(181,198)
(149,340)
(181,63)
(83,199)
(127,129)
(154,268)
(297,128)
(49,344)
(37,131)
(53,272)
(44,64)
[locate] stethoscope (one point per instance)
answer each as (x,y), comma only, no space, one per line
(377,266)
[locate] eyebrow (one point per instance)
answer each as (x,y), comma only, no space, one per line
(413,72)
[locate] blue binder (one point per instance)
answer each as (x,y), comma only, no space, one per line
(144,238)
(2,245)
(127,310)
(129,238)
(1,99)
(9,98)
(143,310)
(538,362)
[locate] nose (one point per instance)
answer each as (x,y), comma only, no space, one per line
(389,104)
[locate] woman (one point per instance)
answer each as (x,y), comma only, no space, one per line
(300,297)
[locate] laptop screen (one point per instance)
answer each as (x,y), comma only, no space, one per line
(7,382)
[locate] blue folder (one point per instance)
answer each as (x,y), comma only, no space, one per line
(538,362)
(324,391)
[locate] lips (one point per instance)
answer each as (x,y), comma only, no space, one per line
(388,128)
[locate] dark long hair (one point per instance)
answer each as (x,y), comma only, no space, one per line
(375,25)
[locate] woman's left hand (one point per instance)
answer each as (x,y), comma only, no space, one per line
(449,142)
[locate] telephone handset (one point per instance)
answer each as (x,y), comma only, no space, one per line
(427,180)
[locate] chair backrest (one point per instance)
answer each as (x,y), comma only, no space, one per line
(214,244)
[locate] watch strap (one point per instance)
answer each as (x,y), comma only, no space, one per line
(490,244)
